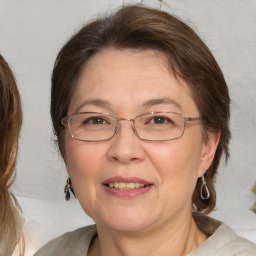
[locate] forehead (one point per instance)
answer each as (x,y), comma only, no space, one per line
(126,79)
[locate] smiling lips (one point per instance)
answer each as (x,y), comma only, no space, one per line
(128,187)
(125,186)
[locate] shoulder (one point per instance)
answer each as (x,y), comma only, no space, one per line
(12,247)
(223,241)
(71,243)
(232,244)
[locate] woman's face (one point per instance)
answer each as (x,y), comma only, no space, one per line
(127,83)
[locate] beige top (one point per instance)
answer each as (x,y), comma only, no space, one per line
(222,241)
(4,251)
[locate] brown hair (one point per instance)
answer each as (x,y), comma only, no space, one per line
(10,124)
(139,27)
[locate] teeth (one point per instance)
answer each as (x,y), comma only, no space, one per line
(126,186)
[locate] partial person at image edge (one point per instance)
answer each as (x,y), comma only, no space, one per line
(11,222)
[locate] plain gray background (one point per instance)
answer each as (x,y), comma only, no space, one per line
(31,34)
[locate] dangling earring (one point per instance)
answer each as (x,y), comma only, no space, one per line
(204,191)
(68,188)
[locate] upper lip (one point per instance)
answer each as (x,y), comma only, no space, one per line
(126,180)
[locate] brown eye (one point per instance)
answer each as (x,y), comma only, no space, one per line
(160,120)
(95,120)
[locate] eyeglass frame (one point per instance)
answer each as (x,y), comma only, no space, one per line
(65,122)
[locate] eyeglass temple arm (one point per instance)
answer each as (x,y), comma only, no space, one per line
(194,118)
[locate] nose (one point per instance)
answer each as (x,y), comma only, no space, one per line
(125,146)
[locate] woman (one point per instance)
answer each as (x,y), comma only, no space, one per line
(10,123)
(140,109)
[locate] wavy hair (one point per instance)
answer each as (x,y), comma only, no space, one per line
(10,124)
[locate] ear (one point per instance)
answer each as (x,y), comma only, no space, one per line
(208,152)
(67,167)
(66,164)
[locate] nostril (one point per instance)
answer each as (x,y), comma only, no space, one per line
(114,158)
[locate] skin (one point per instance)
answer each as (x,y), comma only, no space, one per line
(125,80)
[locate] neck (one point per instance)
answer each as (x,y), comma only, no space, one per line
(177,239)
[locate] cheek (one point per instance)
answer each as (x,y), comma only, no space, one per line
(83,163)
(177,174)
(82,158)
(177,161)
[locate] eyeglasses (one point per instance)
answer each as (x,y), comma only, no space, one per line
(153,126)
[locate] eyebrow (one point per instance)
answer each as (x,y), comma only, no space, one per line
(146,104)
(160,101)
(94,102)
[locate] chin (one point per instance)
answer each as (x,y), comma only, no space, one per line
(126,221)
(127,227)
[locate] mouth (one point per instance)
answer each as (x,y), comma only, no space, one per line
(126,186)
